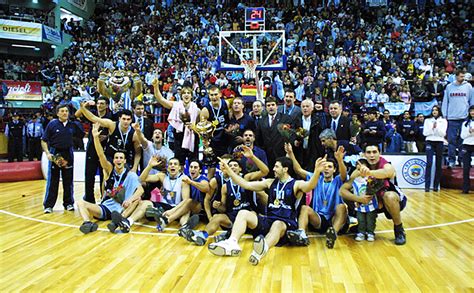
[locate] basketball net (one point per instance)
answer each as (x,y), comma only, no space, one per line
(250,67)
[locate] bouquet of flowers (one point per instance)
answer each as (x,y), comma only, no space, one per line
(285,130)
(301,133)
(238,153)
(59,160)
(117,193)
(374,185)
(233,129)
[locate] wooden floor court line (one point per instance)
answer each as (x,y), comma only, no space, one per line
(175,235)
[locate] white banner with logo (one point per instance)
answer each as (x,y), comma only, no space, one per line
(52,35)
(411,170)
(20,30)
(396,108)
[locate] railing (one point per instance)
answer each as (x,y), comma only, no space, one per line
(27,18)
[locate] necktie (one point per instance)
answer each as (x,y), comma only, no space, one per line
(334,126)
(140,123)
(273,120)
(34,130)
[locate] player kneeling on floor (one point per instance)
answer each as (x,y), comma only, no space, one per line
(326,213)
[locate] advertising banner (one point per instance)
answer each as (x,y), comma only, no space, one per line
(52,35)
(20,30)
(23,90)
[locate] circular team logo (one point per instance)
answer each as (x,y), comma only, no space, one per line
(413,171)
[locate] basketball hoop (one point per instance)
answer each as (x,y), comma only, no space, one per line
(250,66)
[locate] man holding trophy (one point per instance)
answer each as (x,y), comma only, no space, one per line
(205,129)
(58,147)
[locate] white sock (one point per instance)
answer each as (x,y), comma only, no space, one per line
(232,239)
(303,233)
(131,221)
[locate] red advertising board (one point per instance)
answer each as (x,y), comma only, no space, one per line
(23,90)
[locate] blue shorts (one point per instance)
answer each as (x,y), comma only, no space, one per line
(265,223)
(105,213)
(108,206)
(165,206)
(232,215)
(325,224)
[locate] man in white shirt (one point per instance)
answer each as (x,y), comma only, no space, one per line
(154,148)
(150,76)
(308,148)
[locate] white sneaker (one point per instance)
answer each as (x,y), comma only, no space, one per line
(360,237)
(352,220)
(370,237)
(260,249)
(48,210)
(226,247)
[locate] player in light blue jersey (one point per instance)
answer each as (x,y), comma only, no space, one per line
(326,213)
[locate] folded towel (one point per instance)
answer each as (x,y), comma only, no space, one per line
(174,119)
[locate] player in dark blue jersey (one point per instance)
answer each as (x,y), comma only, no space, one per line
(284,196)
(217,111)
(122,136)
(326,213)
(214,194)
(233,199)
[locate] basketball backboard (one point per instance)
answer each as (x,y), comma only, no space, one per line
(266,47)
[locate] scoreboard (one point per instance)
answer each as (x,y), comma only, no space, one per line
(255,19)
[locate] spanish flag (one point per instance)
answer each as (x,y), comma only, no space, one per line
(251,91)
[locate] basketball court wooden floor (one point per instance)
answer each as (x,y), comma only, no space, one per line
(48,253)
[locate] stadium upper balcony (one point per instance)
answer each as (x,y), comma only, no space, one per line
(28,18)
(29,11)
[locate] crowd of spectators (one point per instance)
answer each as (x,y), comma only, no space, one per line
(360,56)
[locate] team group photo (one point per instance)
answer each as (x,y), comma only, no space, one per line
(226,146)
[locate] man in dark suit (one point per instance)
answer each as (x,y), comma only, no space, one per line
(334,92)
(339,123)
(435,89)
(146,125)
(257,112)
(289,108)
(268,136)
(309,148)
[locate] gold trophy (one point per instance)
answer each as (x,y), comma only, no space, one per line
(205,129)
